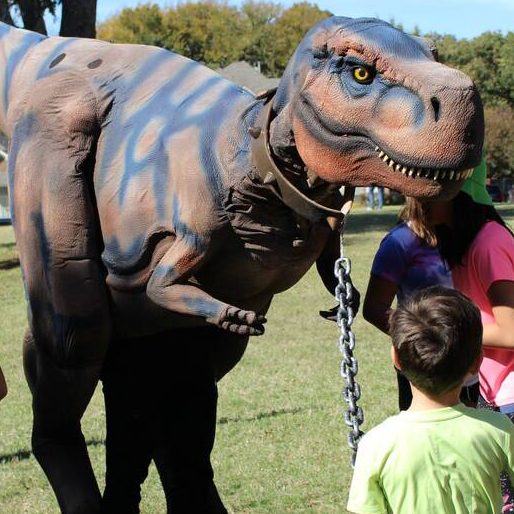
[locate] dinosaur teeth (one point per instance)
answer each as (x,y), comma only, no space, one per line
(423,172)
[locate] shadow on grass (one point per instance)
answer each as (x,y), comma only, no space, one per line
(9,264)
(27,454)
(371,222)
(507,212)
(262,415)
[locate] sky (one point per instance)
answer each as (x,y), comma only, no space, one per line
(462,18)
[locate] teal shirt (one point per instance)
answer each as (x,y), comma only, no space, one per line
(442,461)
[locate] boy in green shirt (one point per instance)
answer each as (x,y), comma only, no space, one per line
(438,457)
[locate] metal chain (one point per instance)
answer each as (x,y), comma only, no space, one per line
(354,416)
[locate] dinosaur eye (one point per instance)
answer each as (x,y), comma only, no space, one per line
(362,75)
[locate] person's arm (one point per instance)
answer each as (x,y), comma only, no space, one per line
(3,385)
(501,333)
(325,266)
(379,298)
(366,494)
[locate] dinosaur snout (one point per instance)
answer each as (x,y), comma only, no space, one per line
(438,126)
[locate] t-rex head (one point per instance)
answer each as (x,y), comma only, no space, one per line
(366,104)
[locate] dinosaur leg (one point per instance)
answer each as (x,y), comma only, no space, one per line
(68,308)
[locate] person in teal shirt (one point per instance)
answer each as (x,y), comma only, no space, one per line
(439,456)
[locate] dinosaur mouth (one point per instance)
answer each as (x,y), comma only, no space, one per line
(428,173)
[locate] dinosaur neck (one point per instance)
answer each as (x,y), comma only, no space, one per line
(287,158)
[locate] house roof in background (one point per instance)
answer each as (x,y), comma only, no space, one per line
(245,75)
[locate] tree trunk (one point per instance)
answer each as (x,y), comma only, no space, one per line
(5,14)
(32,15)
(78,18)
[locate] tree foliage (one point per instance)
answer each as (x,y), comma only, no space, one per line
(217,33)
(489,60)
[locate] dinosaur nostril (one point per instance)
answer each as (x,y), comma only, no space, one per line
(436,106)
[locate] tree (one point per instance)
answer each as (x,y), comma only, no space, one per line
(78,16)
(260,18)
(5,13)
(31,12)
(499,141)
(289,30)
(208,31)
(142,25)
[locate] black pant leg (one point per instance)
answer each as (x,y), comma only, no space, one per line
(130,426)
(186,428)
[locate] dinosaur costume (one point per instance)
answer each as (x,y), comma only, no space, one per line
(139,210)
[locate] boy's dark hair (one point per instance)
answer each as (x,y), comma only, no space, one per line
(437,334)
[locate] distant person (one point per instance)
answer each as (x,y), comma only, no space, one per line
(407,261)
(371,197)
(479,249)
(439,456)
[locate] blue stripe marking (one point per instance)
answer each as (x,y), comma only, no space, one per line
(23,129)
(45,248)
(202,306)
(161,107)
(192,238)
(118,260)
(43,70)
(14,59)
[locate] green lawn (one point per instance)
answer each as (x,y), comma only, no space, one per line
(281,441)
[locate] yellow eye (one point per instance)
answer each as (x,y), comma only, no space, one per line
(362,75)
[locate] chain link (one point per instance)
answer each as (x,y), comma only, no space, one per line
(353,417)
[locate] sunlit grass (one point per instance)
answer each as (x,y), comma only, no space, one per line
(281,442)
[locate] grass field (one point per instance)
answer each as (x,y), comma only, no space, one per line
(281,441)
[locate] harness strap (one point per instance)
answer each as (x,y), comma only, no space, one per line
(290,194)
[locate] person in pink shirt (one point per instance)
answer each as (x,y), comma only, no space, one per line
(478,247)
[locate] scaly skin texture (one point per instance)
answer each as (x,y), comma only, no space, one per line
(138,209)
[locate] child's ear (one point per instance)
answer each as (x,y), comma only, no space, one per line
(394,358)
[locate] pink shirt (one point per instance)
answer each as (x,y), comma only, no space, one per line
(490,258)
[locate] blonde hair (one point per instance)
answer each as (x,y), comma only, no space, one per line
(415,214)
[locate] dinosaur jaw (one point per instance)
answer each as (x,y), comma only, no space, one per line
(356,160)
(427,173)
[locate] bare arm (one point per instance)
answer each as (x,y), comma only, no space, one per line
(3,385)
(379,298)
(501,333)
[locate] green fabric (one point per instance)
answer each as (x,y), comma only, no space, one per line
(442,461)
(474,186)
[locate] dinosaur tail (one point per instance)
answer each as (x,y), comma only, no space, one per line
(14,45)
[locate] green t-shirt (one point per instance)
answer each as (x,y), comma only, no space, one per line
(442,461)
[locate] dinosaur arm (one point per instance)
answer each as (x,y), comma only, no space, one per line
(169,288)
